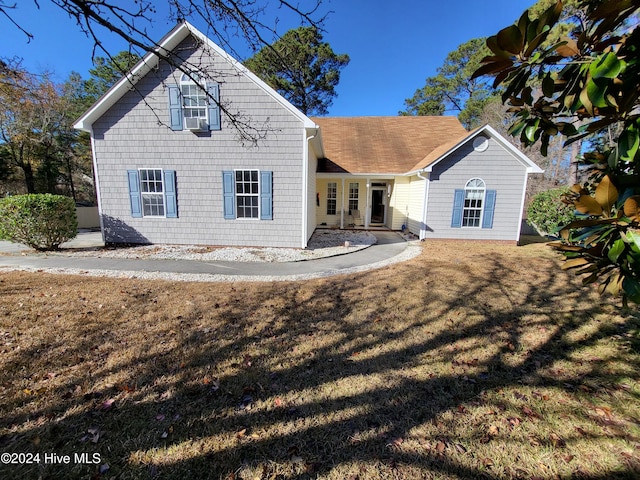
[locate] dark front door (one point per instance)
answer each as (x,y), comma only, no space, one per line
(377,205)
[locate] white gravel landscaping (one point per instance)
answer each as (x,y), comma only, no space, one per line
(323,243)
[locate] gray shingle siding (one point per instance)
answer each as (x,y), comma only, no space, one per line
(499,169)
(134,134)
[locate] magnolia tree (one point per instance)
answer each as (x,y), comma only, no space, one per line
(583,86)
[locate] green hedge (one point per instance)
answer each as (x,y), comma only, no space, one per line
(41,221)
(547,213)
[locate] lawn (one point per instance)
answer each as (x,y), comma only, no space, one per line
(470,361)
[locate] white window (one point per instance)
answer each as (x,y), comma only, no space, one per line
(474,197)
(332,196)
(152,192)
(247,194)
(353,196)
(194,98)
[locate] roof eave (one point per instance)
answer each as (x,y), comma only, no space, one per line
(531,167)
(166,45)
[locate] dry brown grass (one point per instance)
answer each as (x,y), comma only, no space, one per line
(470,361)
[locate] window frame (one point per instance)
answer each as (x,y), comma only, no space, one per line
(332,198)
(155,193)
(473,212)
(201,95)
(354,196)
(255,196)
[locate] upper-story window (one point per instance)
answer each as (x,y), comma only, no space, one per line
(194,98)
(194,104)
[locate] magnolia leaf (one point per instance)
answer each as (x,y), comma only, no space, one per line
(588,205)
(574,262)
(634,236)
(510,39)
(606,194)
(607,66)
(569,48)
(597,93)
(632,208)
(586,101)
(628,144)
(493,67)
(616,250)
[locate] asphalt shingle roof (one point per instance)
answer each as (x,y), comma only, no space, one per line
(392,145)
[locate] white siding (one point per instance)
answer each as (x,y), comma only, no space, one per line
(134,134)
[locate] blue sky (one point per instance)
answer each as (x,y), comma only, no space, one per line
(394,45)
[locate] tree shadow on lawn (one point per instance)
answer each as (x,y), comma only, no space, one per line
(410,372)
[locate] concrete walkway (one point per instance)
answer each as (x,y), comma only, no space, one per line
(389,249)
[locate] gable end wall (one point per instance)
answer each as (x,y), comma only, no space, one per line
(132,135)
(499,170)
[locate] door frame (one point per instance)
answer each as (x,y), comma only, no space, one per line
(383,190)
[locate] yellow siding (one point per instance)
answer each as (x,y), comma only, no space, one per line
(416,199)
(399,203)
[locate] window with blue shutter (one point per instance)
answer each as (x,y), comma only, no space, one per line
(489,207)
(266,195)
(175,107)
(228,195)
(473,206)
(247,194)
(170,197)
(152,193)
(213,89)
(134,193)
(458,205)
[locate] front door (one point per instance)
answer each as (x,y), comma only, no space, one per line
(378,200)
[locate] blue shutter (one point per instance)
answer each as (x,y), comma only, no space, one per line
(266,195)
(228,195)
(134,193)
(175,107)
(458,205)
(170,197)
(213,89)
(489,207)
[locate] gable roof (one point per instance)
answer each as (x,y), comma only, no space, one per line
(165,46)
(383,145)
(442,152)
(398,145)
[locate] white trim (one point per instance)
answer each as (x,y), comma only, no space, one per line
(487,129)
(142,194)
(482,202)
(97,183)
(521,216)
(425,202)
(244,194)
(151,60)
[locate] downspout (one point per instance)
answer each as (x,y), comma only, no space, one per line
(342,206)
(423,222)
(97,182)
(524,195)
(305,187)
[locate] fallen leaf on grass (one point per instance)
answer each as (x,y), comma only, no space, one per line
(557,441)
(529,413)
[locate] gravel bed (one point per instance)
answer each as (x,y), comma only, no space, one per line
(323,243)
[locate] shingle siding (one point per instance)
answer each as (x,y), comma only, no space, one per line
(499,169)
(135,134)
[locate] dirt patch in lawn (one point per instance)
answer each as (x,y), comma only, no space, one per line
(470,361)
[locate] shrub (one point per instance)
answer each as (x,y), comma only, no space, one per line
(41,221)
(547,213)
